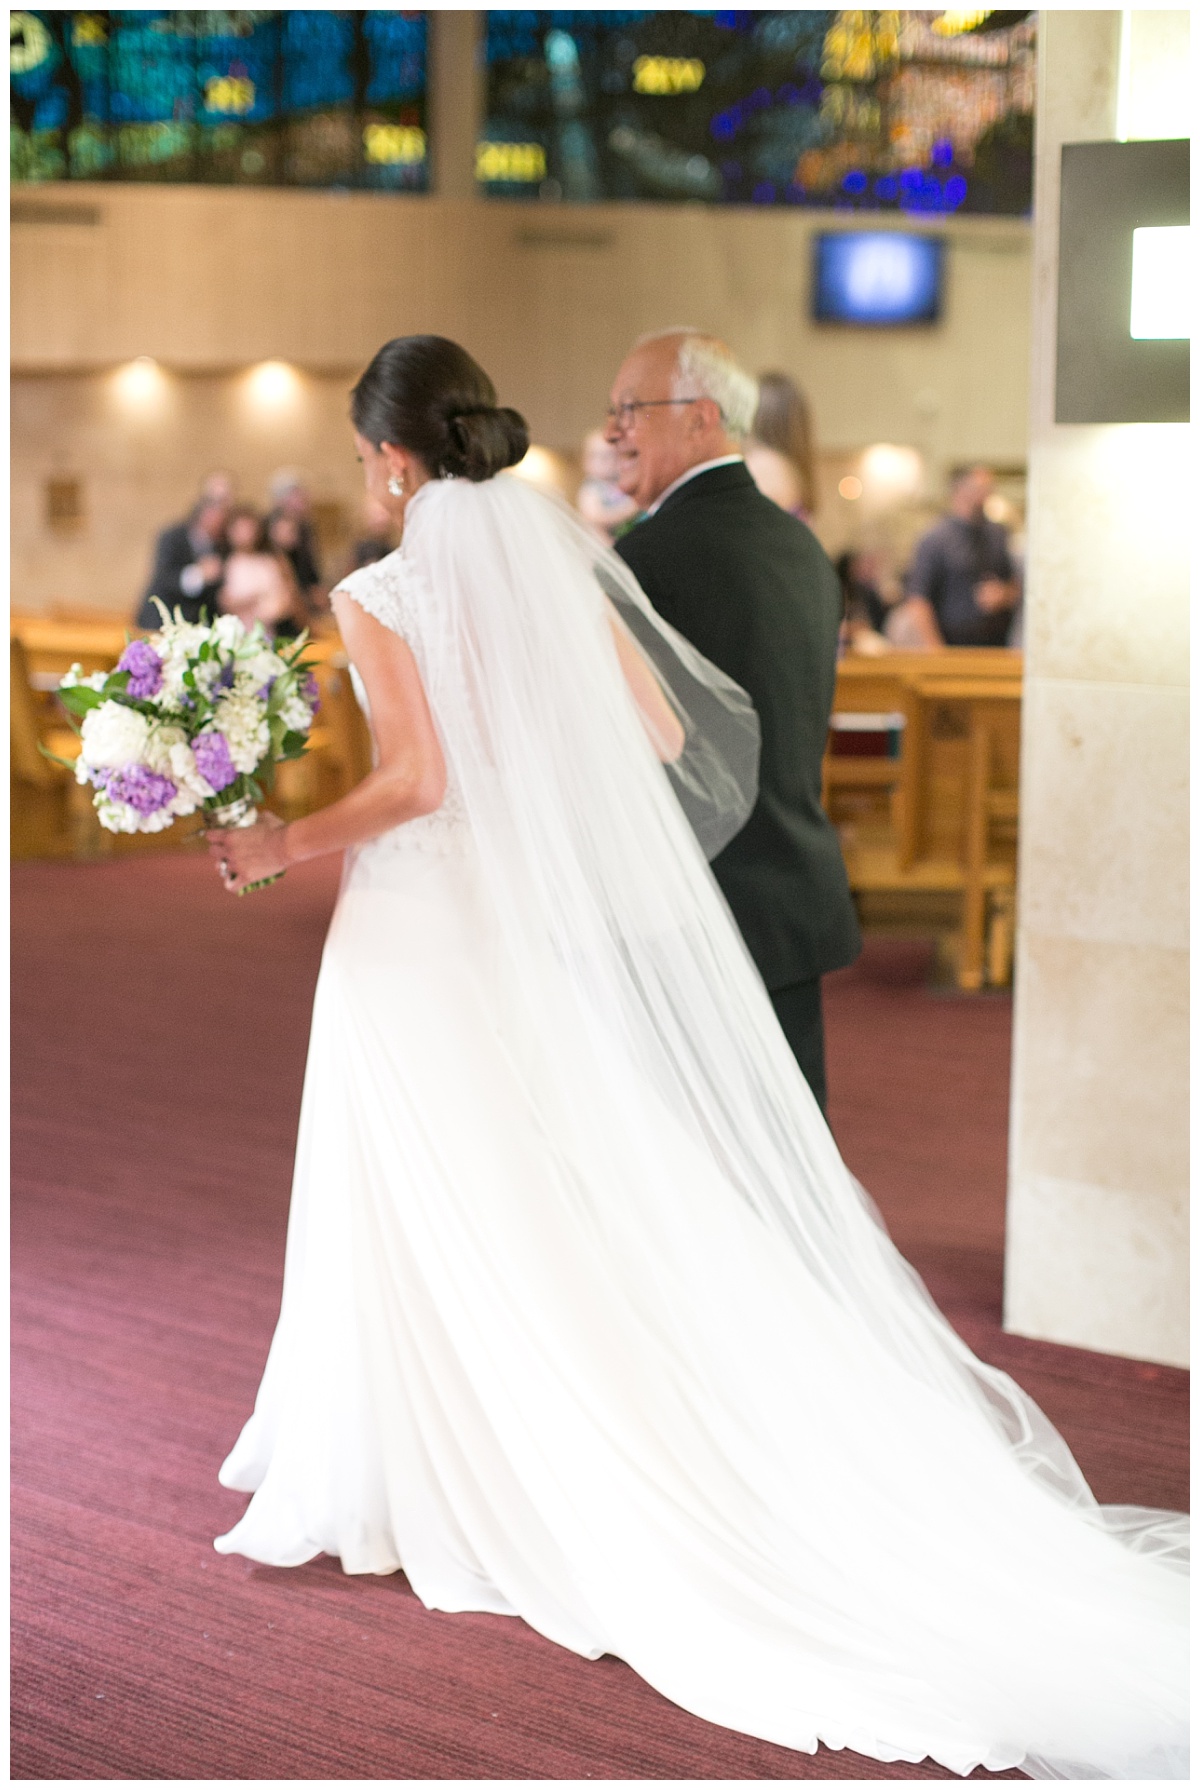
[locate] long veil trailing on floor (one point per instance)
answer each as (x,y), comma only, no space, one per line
(592,868)
(662,1087)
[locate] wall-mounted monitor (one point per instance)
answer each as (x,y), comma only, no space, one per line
(877,279)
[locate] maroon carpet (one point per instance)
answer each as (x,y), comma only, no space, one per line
(160,1031)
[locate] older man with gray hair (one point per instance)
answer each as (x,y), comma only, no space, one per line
(751,587)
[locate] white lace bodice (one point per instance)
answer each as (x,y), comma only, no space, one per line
(385,590)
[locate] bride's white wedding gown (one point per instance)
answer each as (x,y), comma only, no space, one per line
(584,1319)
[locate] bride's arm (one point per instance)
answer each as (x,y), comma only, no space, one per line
(658,717)
(408,780)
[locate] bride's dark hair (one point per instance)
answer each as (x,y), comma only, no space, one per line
(426,394)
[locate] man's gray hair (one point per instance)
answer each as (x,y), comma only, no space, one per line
(705,368)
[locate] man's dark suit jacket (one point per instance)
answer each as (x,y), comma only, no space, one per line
(173,551)
(750,586)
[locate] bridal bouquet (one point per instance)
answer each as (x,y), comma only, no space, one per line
(194,716)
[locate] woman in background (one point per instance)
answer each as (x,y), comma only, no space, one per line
(259,585)
(779,451)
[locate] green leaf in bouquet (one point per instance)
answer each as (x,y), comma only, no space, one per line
(79,698)
(293,745)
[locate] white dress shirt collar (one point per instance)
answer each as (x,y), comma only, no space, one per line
(692,473)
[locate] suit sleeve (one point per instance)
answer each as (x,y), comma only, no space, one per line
(171,556)
(645,565)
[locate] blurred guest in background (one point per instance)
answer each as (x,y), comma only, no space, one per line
(864,606)
(221,487)
(290,528)
(189,558)
(376,538)
(259,585)
(600,500)
(779,451)
(962,585)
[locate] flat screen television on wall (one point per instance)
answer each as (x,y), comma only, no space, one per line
(877,279)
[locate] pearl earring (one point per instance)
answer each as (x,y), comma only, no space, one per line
(396,486)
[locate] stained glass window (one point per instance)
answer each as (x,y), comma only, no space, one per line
(301,98)
(865,111)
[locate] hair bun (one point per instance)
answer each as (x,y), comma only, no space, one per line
(483,440)
(426,394)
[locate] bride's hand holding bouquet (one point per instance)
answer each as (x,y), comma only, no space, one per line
(249,857)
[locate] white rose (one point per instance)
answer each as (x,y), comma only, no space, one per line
(158,747)
(259,669)
(182,770)
(229,632)
(183,639)
(243,721)
(172,690)
(118,817)
(114,736)
(207,675)
(296,714)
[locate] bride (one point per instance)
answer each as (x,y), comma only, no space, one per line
(583,1318)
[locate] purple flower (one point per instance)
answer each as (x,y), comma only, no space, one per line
(225,681)
(144,667)
(311,692)
(212,759)
(264,695)
(141,788)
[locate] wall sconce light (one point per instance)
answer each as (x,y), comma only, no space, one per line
(140,385)
(1124,283)
(272,385)
(1160,296)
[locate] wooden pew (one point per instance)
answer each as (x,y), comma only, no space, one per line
(938,822)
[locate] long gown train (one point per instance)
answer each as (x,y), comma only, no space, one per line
(546,1346)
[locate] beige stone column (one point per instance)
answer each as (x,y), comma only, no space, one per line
(456,100)
(1098,1179)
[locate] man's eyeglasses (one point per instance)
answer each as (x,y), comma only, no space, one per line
(623,414)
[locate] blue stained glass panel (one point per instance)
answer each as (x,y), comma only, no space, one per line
(303,97)
(397,51)
(318,53)
(815,107)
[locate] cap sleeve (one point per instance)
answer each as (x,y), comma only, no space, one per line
(380,590)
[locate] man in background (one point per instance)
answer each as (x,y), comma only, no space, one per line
(189,557)
(962,585)
(751,587)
